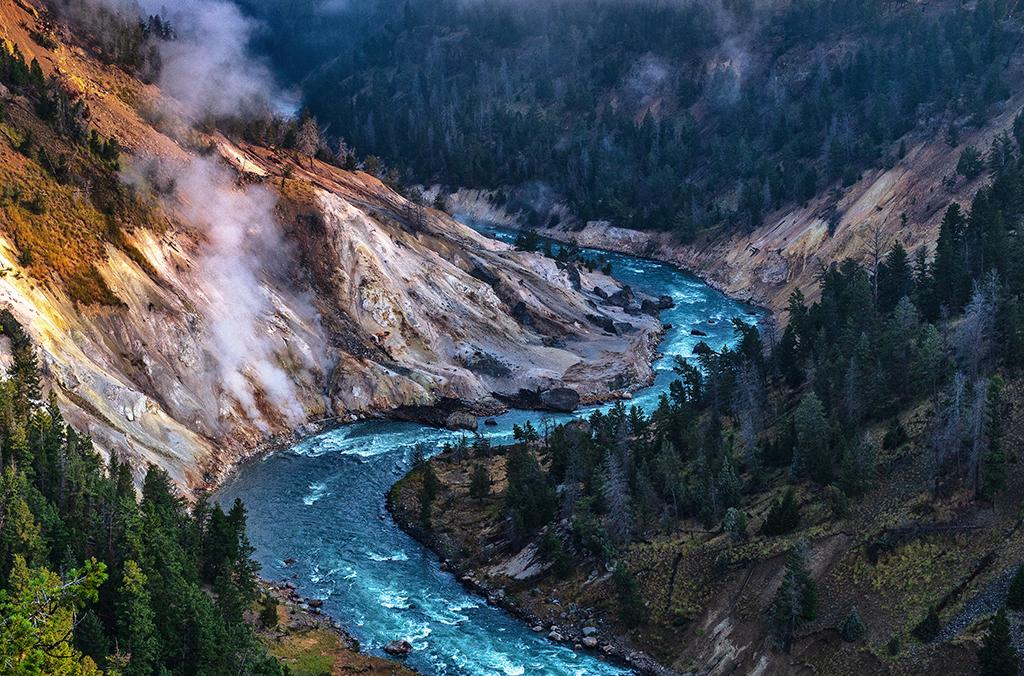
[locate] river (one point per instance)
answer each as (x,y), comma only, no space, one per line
(321,502)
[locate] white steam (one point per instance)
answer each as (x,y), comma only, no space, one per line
(235,267)
(209,67)
(241,267)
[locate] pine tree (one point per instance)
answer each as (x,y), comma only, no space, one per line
(38,611)
(428,491)
(797,599)
(812,435)
(21,535)
(735,523)
(135,620)
(994,464)
(479,482)
(853,627)
(949,270)
(1015,595)
(997,656)
(924,295)
(631,605)
(859,469)
(896,278)
(784,515)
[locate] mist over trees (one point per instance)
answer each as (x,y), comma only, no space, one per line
(668,115)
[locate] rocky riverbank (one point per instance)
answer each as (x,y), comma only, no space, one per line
(561,623)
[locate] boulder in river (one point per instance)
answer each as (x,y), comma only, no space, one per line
(650,307)
(563,399)
(697,332)
(400,648)
(556,637)
(289,561)
(460,420)
(315,603)
(491,422)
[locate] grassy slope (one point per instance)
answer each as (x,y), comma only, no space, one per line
(310,645)
(60,226)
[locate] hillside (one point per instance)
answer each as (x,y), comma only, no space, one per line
(195,299)
(903,203)
(841,497)
(751,141)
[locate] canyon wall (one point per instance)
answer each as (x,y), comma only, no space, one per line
(265,294)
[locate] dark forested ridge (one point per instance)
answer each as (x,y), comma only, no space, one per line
(669,115)
(93,577)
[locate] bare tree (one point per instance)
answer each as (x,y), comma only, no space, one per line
(343,152)
(972,341)
(975,433)
(876,249)
(616,495)
(946,437)
(308,140)
(748,406)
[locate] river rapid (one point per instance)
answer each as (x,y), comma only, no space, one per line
(321,502)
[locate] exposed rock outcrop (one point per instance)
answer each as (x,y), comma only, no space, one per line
(268,295)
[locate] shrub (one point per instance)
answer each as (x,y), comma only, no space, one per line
(268,612)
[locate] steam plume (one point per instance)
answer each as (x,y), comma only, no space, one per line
(209,68)
(243,241)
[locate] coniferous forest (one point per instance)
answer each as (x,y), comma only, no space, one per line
(690,118)
(814,417)
(99,576)
(667,115)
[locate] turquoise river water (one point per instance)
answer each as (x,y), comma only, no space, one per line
(321,502)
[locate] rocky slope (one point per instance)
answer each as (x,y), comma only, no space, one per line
(247,295)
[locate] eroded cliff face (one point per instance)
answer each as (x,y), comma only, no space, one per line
(270,295)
